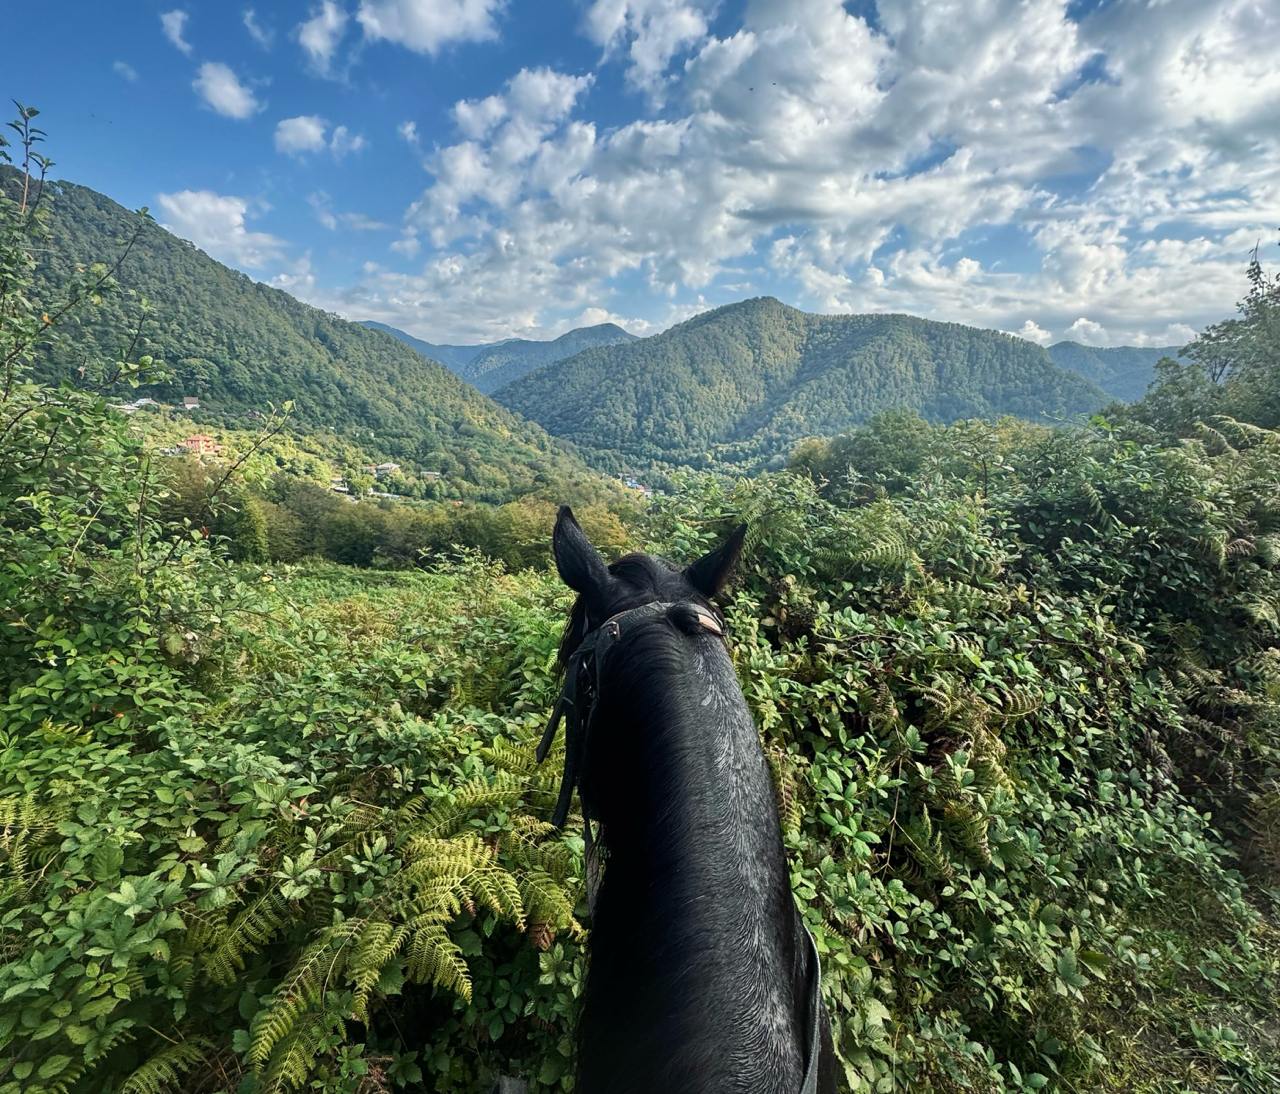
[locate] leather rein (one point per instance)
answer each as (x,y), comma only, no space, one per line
(576,707)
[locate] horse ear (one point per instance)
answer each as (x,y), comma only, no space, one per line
(709,574)
(579,564)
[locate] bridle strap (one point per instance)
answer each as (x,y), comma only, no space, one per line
(810,1084)
(576,709)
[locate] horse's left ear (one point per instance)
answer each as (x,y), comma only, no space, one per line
(580,564)
(709,574)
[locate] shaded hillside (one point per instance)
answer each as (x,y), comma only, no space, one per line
(505,362)
(242,347)
(1123,372)
(452,357)
(492,365)
(742,383)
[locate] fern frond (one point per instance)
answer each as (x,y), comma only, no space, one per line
(435,958)
(925,846)
(968,826)
(255,926)
(378,944)
(165,1069)
(446,815)
(495,889)
(300,990)
(291,1062)
(547,904)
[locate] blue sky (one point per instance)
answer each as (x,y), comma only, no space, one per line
(474,169)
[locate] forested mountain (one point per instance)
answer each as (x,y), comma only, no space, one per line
(492,365)
(452,357)
(242,347)
(1123,372)
(742,383)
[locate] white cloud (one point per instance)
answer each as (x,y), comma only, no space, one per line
(427,26)
(653,33)
(125,71)
(861,168)
(408,132)
(1033,332)
(344,142)
(222,90)
(1088,333)
(407,245)
(263,36)
(320,35)
(174,25)
(310,133)
(322,204)
(299,279)
(217,224)
(305,133)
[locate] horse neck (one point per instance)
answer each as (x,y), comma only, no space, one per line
(694,919)
(706,817)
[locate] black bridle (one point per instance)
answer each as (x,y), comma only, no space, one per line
(576,707)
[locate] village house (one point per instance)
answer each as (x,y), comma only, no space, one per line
(136,405)
(201,444)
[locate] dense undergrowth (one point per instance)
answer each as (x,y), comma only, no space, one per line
(279,828)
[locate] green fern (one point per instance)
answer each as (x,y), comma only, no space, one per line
(225,953)
(165,1069)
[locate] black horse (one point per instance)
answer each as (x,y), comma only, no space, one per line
(702,977)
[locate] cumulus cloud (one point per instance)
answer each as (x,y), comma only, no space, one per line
(125,71)
(217,223)
(427,26)
(1032,332)
(408,132)
(299,278)
(407,245)
(322,204)
(310,133)
(861,167)
(651,33)
(1088,333)
(344,142)
(222,90)
(320,35)
(263,36)
(305,133)
(174,25)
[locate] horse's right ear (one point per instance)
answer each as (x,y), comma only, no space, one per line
(579,564)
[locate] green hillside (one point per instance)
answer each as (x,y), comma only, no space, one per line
(493,365)
(242,347)
(1123,372)
(452,357)
(505,362)
(739,385)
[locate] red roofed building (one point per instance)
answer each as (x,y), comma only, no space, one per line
(201,444)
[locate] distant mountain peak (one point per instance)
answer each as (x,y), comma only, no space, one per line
(492,365)
(740,384)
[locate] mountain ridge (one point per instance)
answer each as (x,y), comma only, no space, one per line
(488,366)
(242,347)
(1123,372)
(742,383)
